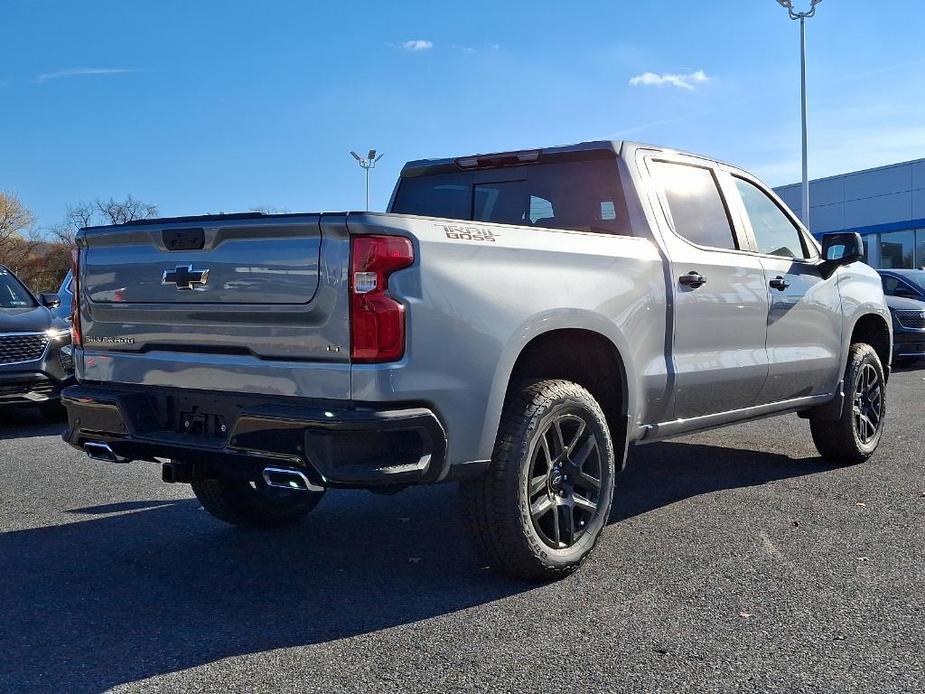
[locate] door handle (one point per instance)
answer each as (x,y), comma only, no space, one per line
(692,279)
(779,283)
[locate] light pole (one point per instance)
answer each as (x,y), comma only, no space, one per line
(369,162)
(803,16)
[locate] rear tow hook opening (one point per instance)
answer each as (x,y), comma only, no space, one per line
(288,478)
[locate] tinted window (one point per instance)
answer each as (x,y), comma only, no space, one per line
(501,202)
(774,233)
(697,209)
(893,286)
(579,195)
(443,195)
(917,277)
(12,293)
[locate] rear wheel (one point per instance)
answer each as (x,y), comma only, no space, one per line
(854,437)
(254,504)
(539,511)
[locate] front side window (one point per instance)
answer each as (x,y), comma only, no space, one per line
(697,210)
(774,233)
(893,286)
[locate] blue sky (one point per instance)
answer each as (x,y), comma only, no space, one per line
(213,106)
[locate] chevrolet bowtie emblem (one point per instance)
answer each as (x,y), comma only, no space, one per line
(184,276)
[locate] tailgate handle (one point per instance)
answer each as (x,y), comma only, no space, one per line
(184,239)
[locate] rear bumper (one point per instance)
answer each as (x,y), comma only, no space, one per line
(238,435)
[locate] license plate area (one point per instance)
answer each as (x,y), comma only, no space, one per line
(198,423)
(197,416)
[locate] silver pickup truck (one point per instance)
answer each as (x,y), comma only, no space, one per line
(514,322)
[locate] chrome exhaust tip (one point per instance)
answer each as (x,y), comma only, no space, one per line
(288,478)
(98,450)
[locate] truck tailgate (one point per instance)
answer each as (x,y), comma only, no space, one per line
(268,287)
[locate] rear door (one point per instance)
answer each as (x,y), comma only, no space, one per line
(720,300)
(804,333)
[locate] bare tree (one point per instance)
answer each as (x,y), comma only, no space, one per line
(76,218)
(269,209)
(99,211)
(20,241)
(15,219)
(123,211)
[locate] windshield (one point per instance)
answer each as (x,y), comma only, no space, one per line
(12,293)
(579,195)
(917,278)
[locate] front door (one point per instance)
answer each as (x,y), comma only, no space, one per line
(804,316)
(720,298)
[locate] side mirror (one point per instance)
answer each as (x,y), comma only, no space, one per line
(842,248)
(50,300)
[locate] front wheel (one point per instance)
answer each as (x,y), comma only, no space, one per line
(539,511)
(254,504)
(854,436)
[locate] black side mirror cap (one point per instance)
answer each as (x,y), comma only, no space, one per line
(50,300)
(841,248)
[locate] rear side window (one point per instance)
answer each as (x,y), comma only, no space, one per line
(774,233)
(697,210)
(578,195)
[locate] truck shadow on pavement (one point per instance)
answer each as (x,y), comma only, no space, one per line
(25,422)
(140,588)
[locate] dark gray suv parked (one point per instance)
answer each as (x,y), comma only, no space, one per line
(905,295)
(35,347)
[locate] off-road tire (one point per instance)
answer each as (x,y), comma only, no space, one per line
(246,505)
(840,441)
(496,505)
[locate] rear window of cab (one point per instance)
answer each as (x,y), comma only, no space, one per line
(583,195)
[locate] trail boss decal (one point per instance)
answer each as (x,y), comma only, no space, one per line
(460,232)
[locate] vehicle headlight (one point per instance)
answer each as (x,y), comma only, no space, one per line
(58,334)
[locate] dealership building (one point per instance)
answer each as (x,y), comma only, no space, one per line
(886,205)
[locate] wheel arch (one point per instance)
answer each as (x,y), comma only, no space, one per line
(590,357)
(874,330)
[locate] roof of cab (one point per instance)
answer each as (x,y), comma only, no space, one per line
(580,150)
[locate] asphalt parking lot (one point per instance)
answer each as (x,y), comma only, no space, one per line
(736,561)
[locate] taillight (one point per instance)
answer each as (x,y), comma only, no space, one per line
(377,321)
(75,298)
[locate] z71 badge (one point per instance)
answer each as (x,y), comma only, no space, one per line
(460,232)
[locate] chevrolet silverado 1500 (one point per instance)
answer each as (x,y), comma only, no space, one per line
(514,322)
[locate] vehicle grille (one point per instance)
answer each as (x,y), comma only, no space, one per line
(914,320)
(19,348)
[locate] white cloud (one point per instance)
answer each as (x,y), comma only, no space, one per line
(681,81)
(417,45)
(82,71)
